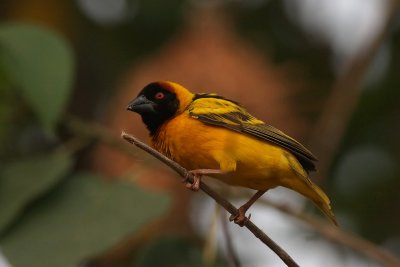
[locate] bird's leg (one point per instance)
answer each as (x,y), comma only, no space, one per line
(240,218)
(195,186)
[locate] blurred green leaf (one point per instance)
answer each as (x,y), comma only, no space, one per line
(23,181)
(40,64)
(83,217)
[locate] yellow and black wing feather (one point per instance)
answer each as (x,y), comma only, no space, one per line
(218,111)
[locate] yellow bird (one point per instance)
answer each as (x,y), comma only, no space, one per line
(211,135)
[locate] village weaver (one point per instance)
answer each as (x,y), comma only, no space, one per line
(214,136)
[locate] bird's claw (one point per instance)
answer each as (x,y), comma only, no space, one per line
(195,185)
(240,218)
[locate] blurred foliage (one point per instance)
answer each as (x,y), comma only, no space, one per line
(40,64)
(267,25)
(88,205)
(48,214)
(17,189)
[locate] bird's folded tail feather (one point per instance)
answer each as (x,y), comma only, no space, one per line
(322,201)
(308,189)
(302,184)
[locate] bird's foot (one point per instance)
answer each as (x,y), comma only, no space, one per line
(195,185)
(197,174)
(240,218)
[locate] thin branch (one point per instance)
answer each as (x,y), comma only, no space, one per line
(339,236)
(219,199)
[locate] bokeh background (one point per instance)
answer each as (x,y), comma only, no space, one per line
(72,193)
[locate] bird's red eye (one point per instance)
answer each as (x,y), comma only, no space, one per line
(159,95)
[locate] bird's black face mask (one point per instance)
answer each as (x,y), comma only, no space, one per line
(156,105)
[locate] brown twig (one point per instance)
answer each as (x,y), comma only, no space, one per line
(219,199)
(339,236)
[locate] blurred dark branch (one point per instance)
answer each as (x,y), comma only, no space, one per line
(233,260)
(219,199)
(95,132)
(332,124)
(339,236)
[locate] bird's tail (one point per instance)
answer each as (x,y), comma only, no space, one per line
(302,184)
(313,192)
(322,201)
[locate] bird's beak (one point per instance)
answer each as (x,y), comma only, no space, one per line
(141,105)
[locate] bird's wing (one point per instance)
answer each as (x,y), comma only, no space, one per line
(218,111)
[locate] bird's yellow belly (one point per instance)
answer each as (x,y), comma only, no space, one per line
(259,166)
(246,161)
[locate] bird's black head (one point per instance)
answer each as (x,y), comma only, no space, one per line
(156,104)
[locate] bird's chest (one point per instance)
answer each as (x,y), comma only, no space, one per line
(185,141)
